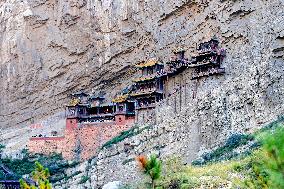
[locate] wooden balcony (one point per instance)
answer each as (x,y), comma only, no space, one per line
(140,93)
(124,113)
(215,71)
(177,67)
(148,106)
(202,64)
(101,115)
(10,184)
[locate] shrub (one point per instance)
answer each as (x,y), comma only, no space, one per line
(185,186)
(2,147)
(54,162)
(84,179)
(225,151)
(123,135)
(125,187)
(172,169)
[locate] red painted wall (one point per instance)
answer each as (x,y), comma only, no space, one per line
(71,124)
(85,138)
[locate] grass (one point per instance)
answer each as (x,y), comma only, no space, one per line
(216,171)
(225,173)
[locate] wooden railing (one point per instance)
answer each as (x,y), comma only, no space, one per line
(47,138)
(10,184)
(208,73)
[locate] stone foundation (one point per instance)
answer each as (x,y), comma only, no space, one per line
(81,140)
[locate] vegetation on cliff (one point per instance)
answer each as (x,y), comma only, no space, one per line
(40,176)
(244,161)
(25,165)
(125,134)
(259,165)
(263,168)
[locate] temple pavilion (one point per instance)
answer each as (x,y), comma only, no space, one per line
(124,105)
(209,59)
(178,62)
(92,108)
(99,110)
(78,105)
(149,87)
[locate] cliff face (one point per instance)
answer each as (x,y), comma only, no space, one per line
(50,49)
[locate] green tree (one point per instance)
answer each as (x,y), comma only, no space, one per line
(2,147)
(273,163)
(268,163)
(152,167)
(40,175)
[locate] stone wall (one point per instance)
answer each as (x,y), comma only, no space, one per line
(81,141)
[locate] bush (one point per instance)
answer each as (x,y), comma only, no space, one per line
(84,179)
(2,147)
(225,151)
(125,187)
(185,186)
(54,162)
(123,135)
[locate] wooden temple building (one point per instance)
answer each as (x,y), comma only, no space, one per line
(93,109)
(178,62)
(124,107)
(209,59)
(148,89)
(86,108)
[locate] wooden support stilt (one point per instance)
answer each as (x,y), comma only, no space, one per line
(175,96)
(194,94)
(180,94)
(185,92)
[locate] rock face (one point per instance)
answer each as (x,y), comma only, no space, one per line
(52,48)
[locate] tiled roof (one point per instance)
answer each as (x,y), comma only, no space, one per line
(149,63)
(120,98)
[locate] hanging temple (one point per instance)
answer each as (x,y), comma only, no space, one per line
(92,120)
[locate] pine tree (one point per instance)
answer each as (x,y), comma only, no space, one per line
(40,175)
(151,167)
(267,164)
(273,163)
